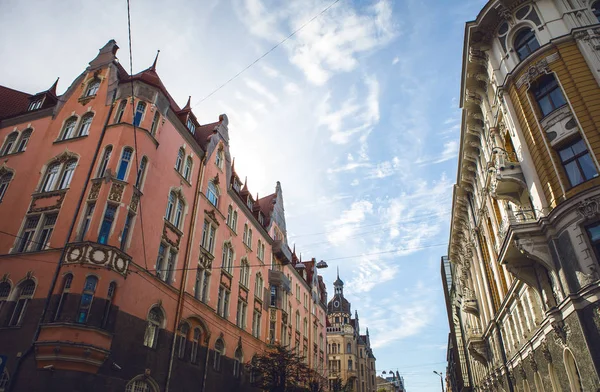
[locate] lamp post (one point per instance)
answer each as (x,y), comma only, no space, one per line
(441,379)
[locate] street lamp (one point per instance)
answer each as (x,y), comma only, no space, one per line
(441,379)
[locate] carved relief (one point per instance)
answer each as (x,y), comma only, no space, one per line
(47,201)
(537,69)
(546,351)
(94,190)
(133,204)
(116,192)
(212,215)
(589,208)
(171,234)
(561,333)
(99,255)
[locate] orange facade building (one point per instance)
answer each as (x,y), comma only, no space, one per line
(132,256)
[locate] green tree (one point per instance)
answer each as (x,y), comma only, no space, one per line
(280,369)
(339,386)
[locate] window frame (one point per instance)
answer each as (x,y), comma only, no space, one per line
(576,158)
(527,37)
(5,181)
(22,301)
(85,124)
(109,220)
(24,139)
(120,111)
(137,121)
(212,194)
(543,89)
(68,129)
(153,326)
(103,164)
(92,88)
(125,162)
(87,299)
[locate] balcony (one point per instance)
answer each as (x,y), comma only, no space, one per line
(509,181)
(278,278)
(97,255)
(477,345)
(470,306)
(282,251)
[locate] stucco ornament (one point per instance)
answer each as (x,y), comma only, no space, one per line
(546,352)
(537,69)
(589,208)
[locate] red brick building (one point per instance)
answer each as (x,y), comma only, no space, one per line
(132,256)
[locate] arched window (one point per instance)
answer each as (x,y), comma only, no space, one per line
(110,295)
(553,378)
(86,122)
(238,359)
(250,238)
(4,379)
(258,285)
(120,111)
(67,174)
(245,273)
(229,215)
(26,290)
(67,280)
(258,250)
(191,126)
(212,194)
(124,164)
(172,201)
(525,43)
(572,371)
(4,293)
(539,386)
(297,320)
(69,128)
(139,113)
(187,171)
(155,323)
(179,161)
(92,88)
(219,351)
(87,298)
(25,135)
(228,257)
(175,209)
(349,347)
(596,10)
(9,143)
(305,326)
(104,162)
(4,182)
(141,384)
(51,177)
(155,121)
(182,333)
(548,94)
(195,345)
(140,173)
(219,159)
(234,221)
(245,235)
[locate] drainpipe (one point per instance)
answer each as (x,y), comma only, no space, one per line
(187,255)
(15,373)
(501,341)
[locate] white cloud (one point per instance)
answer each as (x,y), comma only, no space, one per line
(261,89)
(395,60)
(345,226)
(450,151)
(292,88)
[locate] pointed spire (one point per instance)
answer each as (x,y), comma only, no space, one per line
(367,331)
(53,88)
(245,188)
(338,271)
(153,67)
(188,104)
(233,164)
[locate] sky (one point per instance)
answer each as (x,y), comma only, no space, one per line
(356,114)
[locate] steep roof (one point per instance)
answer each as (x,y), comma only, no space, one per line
(12,102)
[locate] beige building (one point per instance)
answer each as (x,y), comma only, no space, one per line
(349,354)
(522,273)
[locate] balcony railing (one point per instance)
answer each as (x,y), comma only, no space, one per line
(282,251)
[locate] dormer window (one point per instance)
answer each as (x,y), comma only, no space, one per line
(236,185)
(249,203)
(191,126)
(92,88)
(34,105)
(261,219)
(526,43)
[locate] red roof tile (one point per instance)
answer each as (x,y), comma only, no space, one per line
(12,102)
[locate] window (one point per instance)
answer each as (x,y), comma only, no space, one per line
(124,164)
(249,203)
(219,350)
(572,371)
(212,194)
(548,94)
(126,228)
(120,111)
(525,43)
(26,290)
(175,209)
(245,235)
(577,162)
(4,181)
(256,316)
(34,105)
(191,126)
(305,327)
(228,257)
(245,273)
(297,321)
(234,221)
(84,127)
(349,348)
(273,296)
(155,322)
(4,292)
(201,285)
(139,113)
(349,364)
(240,318)
(46,232)
(258,254)
(596,10)
(141,172)
(85,225)
(195,345)
(92,88)
(164,266)
(86,298)
(28,232)
(104,161)
(110,294)
(249,238)
(187,171)
(178,214)
(258,285)
(25,135)
(139,385)
(271,338)
(69,128)
(67,174)
(51,177)
(238,359)
(179,161)
(229,215)
(154,125)
(219,159)
(9,143)
(184,329)
(107,221)
(208,237)
(261,250)
(223,302)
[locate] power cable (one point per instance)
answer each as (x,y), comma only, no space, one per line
(135,148)
(266,53)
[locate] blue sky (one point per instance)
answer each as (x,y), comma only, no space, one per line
(357,116)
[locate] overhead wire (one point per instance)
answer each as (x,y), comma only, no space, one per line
(266,53)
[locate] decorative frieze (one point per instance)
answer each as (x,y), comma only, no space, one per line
(537,69)
(95,190)
(47,201)
(589,208)
(116,191)
(98,255)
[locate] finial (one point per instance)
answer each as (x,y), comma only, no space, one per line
(53,88)
(188,104)
(338,271)
(153,67)
(233,164)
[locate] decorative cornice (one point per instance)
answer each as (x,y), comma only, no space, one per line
(537,69)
